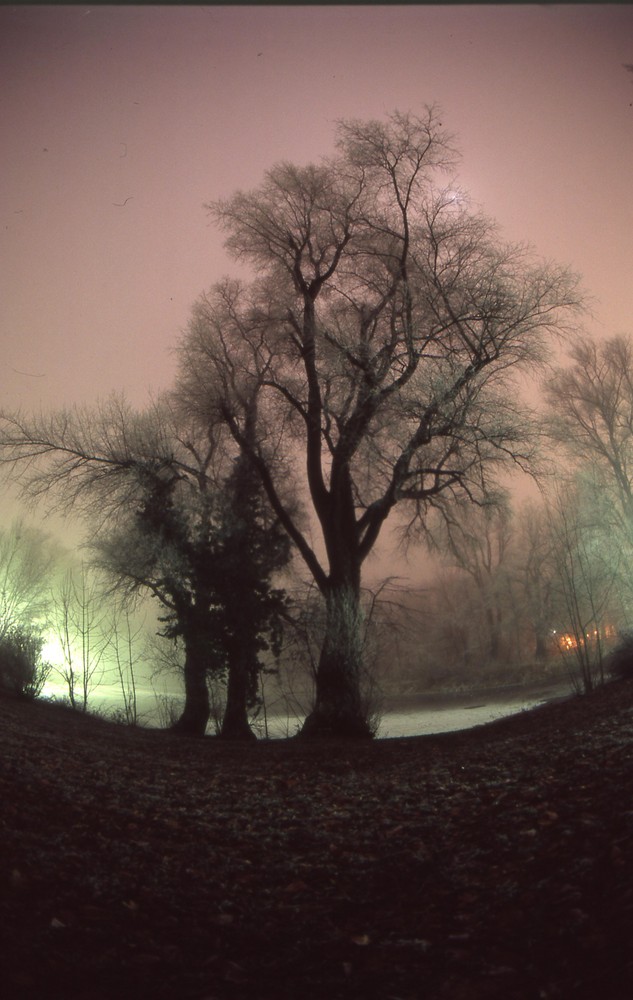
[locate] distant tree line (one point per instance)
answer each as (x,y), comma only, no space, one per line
(538,594)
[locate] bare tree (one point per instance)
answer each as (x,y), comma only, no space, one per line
(587,562)
(28,564)
(382,340)
(535,569)
(104,463)
(81,625)
(453,639)
(477,541)
(175,517)
(124,648)
(28,561)
(591,407)
(591,401)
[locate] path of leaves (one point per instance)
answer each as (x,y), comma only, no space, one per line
(494,863)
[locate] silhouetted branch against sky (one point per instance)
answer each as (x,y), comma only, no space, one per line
(123,122)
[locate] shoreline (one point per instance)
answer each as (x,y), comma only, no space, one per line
(557,690)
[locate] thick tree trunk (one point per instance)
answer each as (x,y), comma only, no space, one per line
(338,710)
(197,710)
(235,725)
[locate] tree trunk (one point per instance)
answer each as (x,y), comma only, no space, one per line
(235,724)
(338,710)
(197,710)
(541,647)
(493,618)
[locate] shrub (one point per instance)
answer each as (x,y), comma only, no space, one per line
(22,671)
(620,660)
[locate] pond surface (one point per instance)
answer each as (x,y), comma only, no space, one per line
(427,714)
(444,719)
(412,716)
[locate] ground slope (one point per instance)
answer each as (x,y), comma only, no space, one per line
(493,863)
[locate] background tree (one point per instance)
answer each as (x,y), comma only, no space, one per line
(535,570)
(28,564)
(591,405)
(82,630)
(382,336)
(126,640)
(207,549)
(591,409)
(477,541)
(587,561)
(252,550)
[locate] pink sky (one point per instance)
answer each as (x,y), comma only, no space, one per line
(118,123)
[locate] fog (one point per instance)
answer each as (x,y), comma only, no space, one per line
(124,122)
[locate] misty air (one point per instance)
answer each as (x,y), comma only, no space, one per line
(316,474)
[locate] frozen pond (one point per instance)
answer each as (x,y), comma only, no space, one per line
(443,713)
(415,716)
(423,721)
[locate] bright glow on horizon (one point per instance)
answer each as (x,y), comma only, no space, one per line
(53,652)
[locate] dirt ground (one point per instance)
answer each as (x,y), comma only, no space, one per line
(491,863)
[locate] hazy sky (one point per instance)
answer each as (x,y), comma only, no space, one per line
(118,123)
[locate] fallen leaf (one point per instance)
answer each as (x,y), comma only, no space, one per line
(360,939)
(297,886)
(16,878)
(235,973)
(393,831)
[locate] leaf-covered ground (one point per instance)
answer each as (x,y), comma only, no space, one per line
(493,863)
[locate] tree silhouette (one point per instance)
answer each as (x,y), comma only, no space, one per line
(382,336)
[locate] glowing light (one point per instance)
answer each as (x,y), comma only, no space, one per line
(455,196)
(567,641)
(52,652)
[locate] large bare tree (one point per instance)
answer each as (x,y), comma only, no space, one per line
(383,337)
